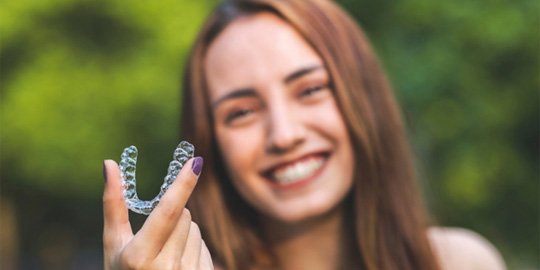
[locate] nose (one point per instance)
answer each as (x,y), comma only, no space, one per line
(285,129)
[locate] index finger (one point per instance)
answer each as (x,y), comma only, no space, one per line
(161,222)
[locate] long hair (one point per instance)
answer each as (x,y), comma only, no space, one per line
(387,217)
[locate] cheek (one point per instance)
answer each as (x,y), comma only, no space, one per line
(239,149)
(331,123)
(329,120)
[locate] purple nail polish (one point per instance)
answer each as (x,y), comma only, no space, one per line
(104,172)
(197,165)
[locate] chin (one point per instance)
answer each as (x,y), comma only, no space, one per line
(294,214)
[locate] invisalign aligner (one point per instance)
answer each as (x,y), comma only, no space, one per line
(183,152)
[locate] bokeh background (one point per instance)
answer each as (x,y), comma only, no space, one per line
(81,80)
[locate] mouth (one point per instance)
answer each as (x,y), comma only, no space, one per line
(298,172)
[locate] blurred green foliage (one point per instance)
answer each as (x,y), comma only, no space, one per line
(80,80)
(467,75)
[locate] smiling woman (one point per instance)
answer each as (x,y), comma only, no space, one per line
(307,164)
(294,143)
(317,139)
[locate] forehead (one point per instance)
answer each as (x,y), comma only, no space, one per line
(256,50)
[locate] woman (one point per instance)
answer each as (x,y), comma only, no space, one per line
(306,161)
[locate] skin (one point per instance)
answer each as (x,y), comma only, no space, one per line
(272,107)
(287,114)
(275,103)
(458,248)
(167,240)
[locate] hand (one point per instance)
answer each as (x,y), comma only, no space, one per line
(167,240)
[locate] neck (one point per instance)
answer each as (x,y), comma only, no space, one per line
(312,244)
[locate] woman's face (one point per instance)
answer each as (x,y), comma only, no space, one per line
(281,134)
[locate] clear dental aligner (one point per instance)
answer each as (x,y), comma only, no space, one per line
(183,152)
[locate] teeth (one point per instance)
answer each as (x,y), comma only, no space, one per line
(298,171)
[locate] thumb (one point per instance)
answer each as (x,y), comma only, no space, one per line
(115,213)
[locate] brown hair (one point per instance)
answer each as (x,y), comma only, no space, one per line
(386,210)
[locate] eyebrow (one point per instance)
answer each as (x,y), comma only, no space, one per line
(301,72)
(250,92)
(244,92)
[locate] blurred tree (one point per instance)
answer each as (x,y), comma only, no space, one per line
(466,73)
(80,80)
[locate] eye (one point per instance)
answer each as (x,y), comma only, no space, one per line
(237,115)
(313,90)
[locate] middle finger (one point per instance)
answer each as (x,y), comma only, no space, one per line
(175,245)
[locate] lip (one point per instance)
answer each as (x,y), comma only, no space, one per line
(267,174)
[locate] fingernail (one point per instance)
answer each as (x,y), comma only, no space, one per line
(104,172)
(196,167)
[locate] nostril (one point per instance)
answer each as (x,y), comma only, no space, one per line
(284,136)
(285,126)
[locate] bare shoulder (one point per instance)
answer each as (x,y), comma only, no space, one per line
(458,248)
